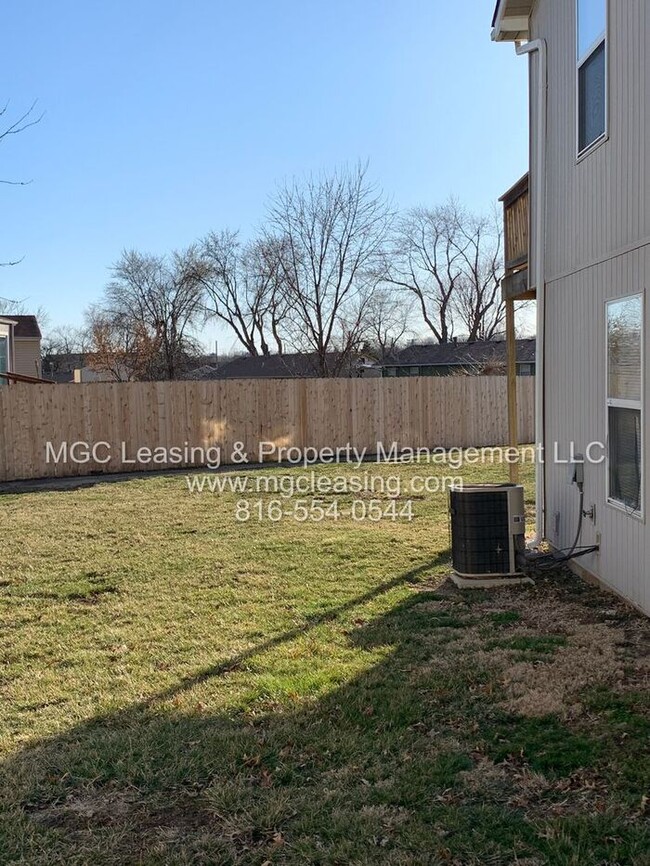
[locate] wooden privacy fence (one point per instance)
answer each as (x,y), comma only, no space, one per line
(449,412)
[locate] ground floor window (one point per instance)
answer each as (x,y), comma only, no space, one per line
(624,402)
(4,358)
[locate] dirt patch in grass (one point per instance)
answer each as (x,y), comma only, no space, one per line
(518,787)
(88,808)
(591,657)
(549,648)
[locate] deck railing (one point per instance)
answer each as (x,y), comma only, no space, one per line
(516,226)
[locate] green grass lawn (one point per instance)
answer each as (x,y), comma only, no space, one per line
(180,687)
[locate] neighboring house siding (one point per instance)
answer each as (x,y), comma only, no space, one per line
(27,355)
(393,371)
(598,228)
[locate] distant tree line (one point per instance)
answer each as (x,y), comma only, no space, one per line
(333,270)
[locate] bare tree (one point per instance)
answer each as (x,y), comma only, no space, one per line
(242,286)
(154,301)
(449,260)
(23,122)
(388,318)
(478,303)
(425,262)
(63,348)
(66,340)
(10,305)
(20,307)
(333,230)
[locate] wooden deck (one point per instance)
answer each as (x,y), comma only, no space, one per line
(516,231)
(515,287)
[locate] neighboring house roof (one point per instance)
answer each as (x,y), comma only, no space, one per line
(201,373)
(26,328)
(479,353)
(61,378)
(66,360)
(293,366)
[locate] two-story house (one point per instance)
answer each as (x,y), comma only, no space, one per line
(587,264)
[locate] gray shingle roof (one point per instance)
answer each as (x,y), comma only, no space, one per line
(26,327)
(293,366)
(290,366)
(463,354)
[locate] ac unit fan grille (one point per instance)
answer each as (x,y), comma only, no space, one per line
(480,540)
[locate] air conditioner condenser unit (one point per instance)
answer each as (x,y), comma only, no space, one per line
(488,526)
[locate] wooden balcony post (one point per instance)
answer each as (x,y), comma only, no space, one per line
(511,342)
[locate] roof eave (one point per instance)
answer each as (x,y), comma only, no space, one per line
(510,22)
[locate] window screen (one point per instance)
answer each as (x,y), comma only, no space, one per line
(591,88)
(625,456)
(592,71)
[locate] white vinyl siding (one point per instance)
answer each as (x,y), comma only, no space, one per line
(591,17)
(597,246)
(27,360)
(624,319)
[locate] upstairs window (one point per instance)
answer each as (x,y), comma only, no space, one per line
(592,72)
(624,401)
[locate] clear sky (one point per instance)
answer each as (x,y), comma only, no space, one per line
(164,120)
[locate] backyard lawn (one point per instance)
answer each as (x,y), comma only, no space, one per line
(181,687)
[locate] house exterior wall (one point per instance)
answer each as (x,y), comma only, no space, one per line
(597,248)
(27,357)
(526,368)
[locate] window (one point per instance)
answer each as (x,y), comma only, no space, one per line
(4,358)
(624,401)
(592,72)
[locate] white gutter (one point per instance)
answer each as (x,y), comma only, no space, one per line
(538,175)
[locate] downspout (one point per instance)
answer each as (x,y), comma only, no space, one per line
(539,277)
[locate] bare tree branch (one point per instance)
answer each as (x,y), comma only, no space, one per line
(450,261)
(20,125)
(242,285)
(148,313)
(333,230)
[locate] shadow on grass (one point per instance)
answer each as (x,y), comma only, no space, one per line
(360,772)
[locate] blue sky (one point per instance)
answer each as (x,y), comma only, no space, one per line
(164,120)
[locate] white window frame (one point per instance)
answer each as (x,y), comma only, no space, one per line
(580,61)
(616,403)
